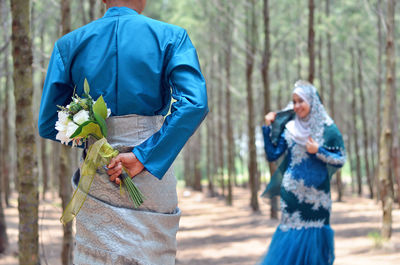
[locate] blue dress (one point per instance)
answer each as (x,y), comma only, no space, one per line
(138,64)
(304,235)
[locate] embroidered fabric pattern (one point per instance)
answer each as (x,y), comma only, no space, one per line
(298,152)
(340,160)
(310,195)
(294,221)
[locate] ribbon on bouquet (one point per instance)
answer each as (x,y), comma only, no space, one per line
(100,153)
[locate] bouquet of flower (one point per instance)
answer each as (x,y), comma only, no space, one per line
(81,119)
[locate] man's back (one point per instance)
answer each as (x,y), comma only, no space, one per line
(123,56)
(137,64)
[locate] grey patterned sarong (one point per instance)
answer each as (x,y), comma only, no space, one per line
(108,228)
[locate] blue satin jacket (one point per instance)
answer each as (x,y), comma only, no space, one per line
(138,64)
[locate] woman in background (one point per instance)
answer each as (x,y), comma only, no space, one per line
(313,150)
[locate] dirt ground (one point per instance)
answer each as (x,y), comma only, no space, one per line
(213,233)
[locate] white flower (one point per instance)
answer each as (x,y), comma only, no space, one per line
(71,128)
(108,112)
(62,137)
(81,117)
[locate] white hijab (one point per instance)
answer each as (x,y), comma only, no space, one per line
(313,124)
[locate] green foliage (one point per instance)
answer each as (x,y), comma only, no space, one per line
(377,238)
(88,128)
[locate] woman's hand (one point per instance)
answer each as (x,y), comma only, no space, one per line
(312,146)
(124,160)
(270,118)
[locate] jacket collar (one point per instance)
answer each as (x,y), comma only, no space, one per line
(119,11)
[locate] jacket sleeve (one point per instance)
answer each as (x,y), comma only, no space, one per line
(189,91)
(57,90)
(273,152)
(334,157)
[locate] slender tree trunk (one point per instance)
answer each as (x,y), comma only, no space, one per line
(355,131)
(386,133)
(365,125)
(311,37)
(5,164)
(3,154)
(196,152)
(379,93)
(229,128)
(44,159)
(251,33)
(28,199)
(330,66)
(220,132)
(65,190)
(188,170)
(320,66)
(92,9)
(266,59)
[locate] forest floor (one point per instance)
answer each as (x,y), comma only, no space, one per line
(213,233)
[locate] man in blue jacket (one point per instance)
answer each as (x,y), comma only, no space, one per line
(138,65)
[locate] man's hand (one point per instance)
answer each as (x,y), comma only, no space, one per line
(124,160)
(312,146)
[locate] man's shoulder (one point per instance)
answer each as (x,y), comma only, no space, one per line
(163,27)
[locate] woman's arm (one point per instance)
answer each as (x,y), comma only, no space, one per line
(335,156)
(273,152)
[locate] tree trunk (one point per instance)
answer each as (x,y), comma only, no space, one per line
(379,94)
(229,129)
(221,164)
(6,157)
(330,67)
(386,133)
(355,131)
(320,66)
(251,33)
(92,8)
(196,152)
(187,161)
(65,190)
(266,60)
(365,125)
(45,159)
(28,199)
(3,151)
(311,36)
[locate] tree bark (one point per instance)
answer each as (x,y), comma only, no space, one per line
(28,199)
(330,66)
(265,69)
(251,33)
(355,131)
(92,8)
(379,93)
(6,150)
(221,163)
(196,152)
(364,125)
(311,37)
(386,133)
(65,189)
(229,128)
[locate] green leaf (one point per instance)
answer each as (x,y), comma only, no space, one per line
(86,87)
(100,107)
(88,128)
(102,123)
